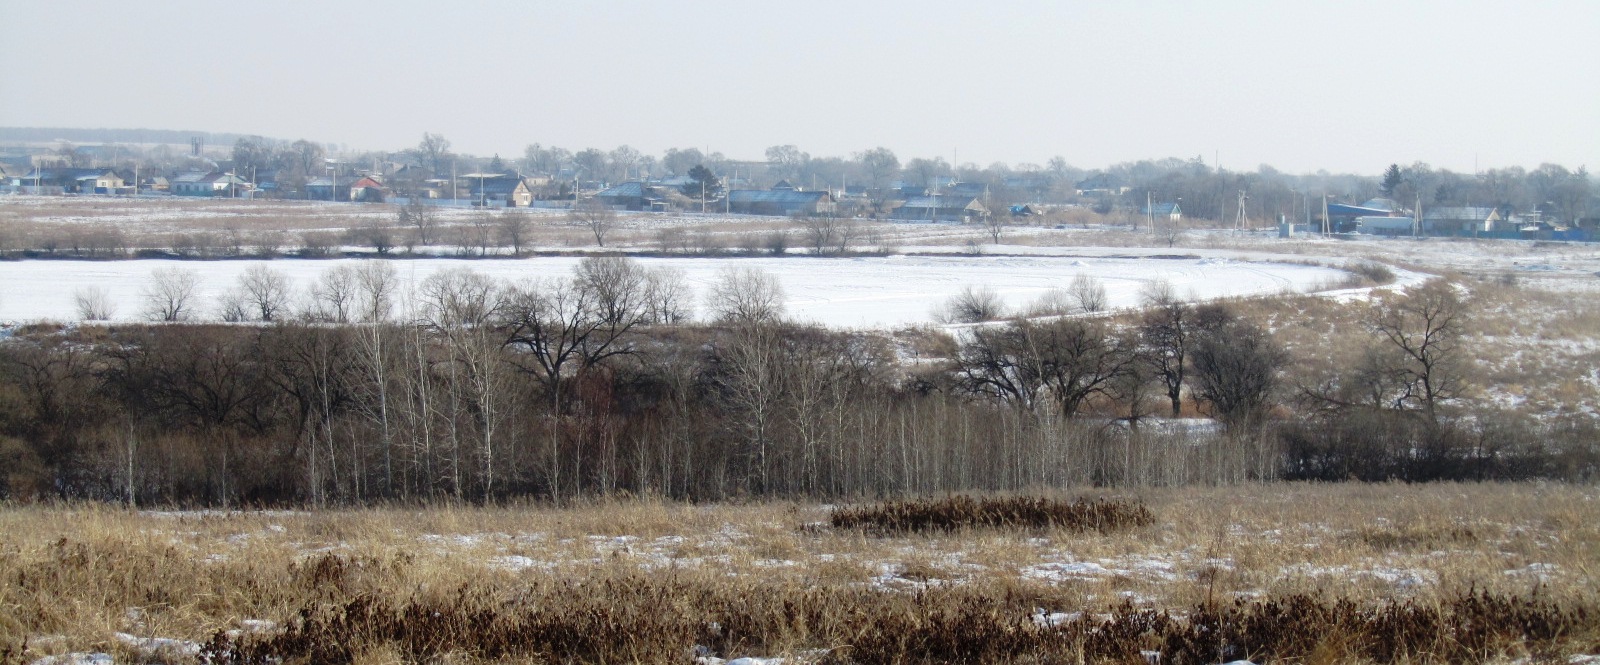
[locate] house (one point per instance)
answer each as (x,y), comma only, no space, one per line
(1342,216)
(940,209)
(1459,220)
(214,183)
(73,181)
(1027,210)
(780,202)
(369,189)
(155,184)
(635,196)
(324,188)
(499,190)
(1170,210)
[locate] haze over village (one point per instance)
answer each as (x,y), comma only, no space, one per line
(734,333)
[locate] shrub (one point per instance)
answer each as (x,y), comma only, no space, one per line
(964,512)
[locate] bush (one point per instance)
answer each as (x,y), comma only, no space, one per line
(973,304)
(1373,272)
(964,512)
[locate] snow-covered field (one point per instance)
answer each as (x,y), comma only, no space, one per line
(861,292)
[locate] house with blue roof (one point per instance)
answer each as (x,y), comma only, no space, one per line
(1170,210)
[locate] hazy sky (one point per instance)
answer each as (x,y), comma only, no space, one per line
(1343,86)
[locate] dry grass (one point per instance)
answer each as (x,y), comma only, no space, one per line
(645,580)
(959,513)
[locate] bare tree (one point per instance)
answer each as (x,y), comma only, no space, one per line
(422,218)
(616,287)
(376,233)
(972,304)
(1167,336)
(513,230)
(1055,301)
(1235,368)
(822,233)
(459,297)
(595,216)
(1425,327)
(668,299)
(94,303)
(333,294)
(995,225)
(266,291)
(880,164)
(751,382)
(1088,292)
(994,361)
(433,152)
(233,306)
(169,294)
(376,284)
(461,306)
(1075,359)
(745,295)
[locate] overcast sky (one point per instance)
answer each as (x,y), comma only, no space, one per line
(1344,86)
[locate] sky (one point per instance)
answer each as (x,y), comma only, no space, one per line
(1303,86)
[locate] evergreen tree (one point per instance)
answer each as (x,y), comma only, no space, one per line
(1391,180)
(702,182)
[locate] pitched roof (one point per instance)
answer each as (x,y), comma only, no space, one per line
(209,177)
(1474,213)
(624,190)
(499,185)
(940,201)
(782,196)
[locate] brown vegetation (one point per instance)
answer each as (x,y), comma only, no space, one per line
(966,512)
(1316,573)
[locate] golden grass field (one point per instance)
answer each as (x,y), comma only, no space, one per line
(95,578)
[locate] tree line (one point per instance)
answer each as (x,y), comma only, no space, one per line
(602,382)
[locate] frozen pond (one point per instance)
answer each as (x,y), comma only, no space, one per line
(859,292)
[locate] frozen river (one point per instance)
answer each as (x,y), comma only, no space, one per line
(857,292)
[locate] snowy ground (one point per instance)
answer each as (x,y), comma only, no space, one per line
(899,289)
(860,292)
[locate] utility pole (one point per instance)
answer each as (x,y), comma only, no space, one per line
(1325,224)
(1416,220)
(1244,220)
(1149,212)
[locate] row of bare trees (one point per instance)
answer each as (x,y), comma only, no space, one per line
(473,389)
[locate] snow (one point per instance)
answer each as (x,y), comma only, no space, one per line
(96,658)
(158,645)
(855,292)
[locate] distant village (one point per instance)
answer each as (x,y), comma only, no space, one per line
(1548,203)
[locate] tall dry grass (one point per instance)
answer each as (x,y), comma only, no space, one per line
(645,580)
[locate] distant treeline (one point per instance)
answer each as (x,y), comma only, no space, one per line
(596,385)
(106,135)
